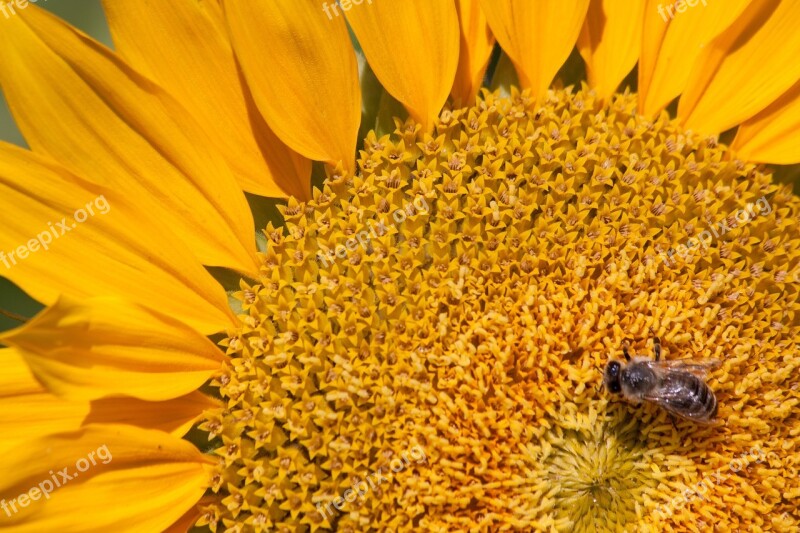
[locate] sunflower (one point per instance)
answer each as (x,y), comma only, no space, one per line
(416,342)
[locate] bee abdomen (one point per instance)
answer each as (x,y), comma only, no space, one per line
(707,402)
(698,402)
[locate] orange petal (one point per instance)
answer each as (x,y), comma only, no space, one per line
(671,43)
(28,410)
(476,48)
(537,36)
(746,57)
(653,31)
(303,73)
(773,135)
(119,251)
(610,42)
(412,46)
(157,475)
(184,46)
(77,102)
(107,347)
(176,416)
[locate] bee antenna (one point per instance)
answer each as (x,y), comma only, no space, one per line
(599,369)
(625,346)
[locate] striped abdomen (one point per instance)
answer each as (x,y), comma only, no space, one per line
(687,396)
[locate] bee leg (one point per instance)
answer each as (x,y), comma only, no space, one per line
(625,346)
(657,348)
(674,424)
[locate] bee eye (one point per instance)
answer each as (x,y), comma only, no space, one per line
(612,377)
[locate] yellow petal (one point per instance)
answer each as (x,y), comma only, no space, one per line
(184,46)
(610,41)
(107,347)
(671,45)
(16,378)
(537,36)
(30,411)
(773,135)
(303,73)
(744,69)
(27,410)
(105,478)
(119,251)
(653,31)
(77,102)
(412,46)
(174,416)
(475,49)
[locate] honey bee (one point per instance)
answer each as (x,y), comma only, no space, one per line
(678,386)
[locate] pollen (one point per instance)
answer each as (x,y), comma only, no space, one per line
(424,348)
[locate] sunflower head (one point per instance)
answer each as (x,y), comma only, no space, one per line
(461,294)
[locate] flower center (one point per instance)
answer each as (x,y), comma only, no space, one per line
(423,349)
(597,469)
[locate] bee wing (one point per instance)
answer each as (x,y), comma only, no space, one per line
(696,367)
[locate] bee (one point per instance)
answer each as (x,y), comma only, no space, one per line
(678,386)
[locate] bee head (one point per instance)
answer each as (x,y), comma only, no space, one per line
(611,377)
